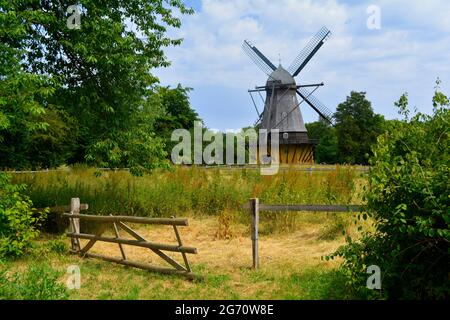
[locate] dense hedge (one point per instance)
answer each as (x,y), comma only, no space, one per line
(408,199)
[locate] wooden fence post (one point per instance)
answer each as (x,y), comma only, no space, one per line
(254,205)
(75,223)
(116,231)
(177,235)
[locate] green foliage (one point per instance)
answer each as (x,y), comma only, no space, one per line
(18,224)
(22,93)
(39,282)
(97,102)
(177,113)
(335,228)
(58,245)
(408,200)
(327,149)
(357,128)
(314,284)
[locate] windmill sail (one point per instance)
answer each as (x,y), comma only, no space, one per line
(281,105)
(309,51)
(314,103)
(258,58)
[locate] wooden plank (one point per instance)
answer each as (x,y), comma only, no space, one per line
(150,245)
(131,232)
(293,161)
(177,235)
(255,236)
(141,220)
(161,254)
(87,247)
(75,222)
(122,251)
(62,209)
(145,266)
(307,207)
(311,208)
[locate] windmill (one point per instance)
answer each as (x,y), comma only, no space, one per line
(281,105)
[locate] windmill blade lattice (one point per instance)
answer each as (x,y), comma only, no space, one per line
(258,58)
(314,103)
(309,51)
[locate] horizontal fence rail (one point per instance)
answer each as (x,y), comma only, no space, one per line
(137,243)
(310,208)
(130,219)
(119,223)
(62,209)
(255,208)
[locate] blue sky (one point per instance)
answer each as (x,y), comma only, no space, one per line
(407,54)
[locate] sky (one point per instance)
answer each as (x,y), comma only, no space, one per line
(405,50)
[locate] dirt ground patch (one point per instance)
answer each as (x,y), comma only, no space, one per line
(299,249)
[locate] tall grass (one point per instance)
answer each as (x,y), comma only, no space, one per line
(182,190)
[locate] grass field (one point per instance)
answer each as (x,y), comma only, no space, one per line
(193,190)
(291,244)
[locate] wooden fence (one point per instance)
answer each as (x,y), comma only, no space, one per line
(255,208)
(119,223)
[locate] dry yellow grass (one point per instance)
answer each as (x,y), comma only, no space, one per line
(291,245)
(291,264)
(281,255)
(301,248)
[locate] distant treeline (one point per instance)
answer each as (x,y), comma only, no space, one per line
(355,131)
(348,141)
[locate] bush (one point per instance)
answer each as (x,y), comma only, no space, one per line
(18,224)
(58,245)
(38,283)
(333,229)
(408,200)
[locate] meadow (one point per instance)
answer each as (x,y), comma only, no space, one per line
(292,245)
(188,190)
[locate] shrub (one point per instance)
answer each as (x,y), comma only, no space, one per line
(39,282)
(58,245)
(18,224)
(334,228)
(408,200)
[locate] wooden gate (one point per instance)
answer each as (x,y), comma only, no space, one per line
(255,207)
(119,223)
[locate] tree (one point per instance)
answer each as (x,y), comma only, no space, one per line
(327,148)
(176,113)
(407,200)
(101,72)
(357,128)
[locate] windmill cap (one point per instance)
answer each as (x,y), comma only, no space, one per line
(282,75)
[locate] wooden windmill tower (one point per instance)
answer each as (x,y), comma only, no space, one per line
(281,106)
